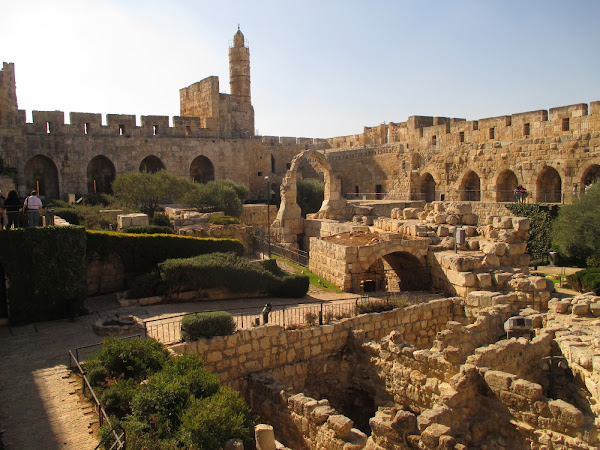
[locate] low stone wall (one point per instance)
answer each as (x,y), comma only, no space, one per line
(285,353)
(256,215)
(487,210)
(104,275)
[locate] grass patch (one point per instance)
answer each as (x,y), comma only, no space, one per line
(314,279)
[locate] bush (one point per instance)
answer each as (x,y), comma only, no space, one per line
(96,199)
(223,220)
(541,218)
(149,229)
(207,325)
(190,368)
(220,195)
(210,422)
(311,193)
(310,318)
(117,397)
(71,215)
(289,286)
(585,280)
(162,220)
(147,285)
(373,307)
(129,358)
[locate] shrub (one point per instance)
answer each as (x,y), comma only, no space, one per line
(585,280)
(71,215)
(310,318)
(290,286)
(219,195)
(149,229)
(190,368)
(311,193)
(117,397)
(147,285)
(541,218)
(207,325)
(162,220)
(96,199)
(373,307)
(223,220)
(210,422)
(129,358)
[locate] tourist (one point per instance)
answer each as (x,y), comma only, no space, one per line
(12,206)
(1,211)
(33,209)
(517,193)
(587,187)
(524,194)
(575,190)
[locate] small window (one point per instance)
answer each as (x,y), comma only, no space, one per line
(420,132)
(475,126)
(188,130)
(288,165)
(121,130)
(404,164)
(492,133)
(48,127)
(526,129)
(509,121)
(433,140)
(461,136)
(86,128)
(154,130)
(565,124)
(407,146)
(260,174)
(356,190)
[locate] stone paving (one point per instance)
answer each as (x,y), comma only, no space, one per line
(39,407)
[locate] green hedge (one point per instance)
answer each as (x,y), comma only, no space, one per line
(140,253)
(585,280)
(231,271)
(223,220)
(206,325)
(149,229)
(45,267)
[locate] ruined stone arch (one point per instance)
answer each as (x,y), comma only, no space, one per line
(100,175)
(591,174)
(470,187)
(202,170)
(151,164)
(427,186)
(506,182)
(41,174)
(548,186)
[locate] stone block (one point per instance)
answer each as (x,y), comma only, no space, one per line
(581,309)
(595,309)
(520,223)
(132,220)
(497,380)
(566,414)
(504,222)
(484,280)
(470,219)
(341,425)
(265,437)
(527,389)
(431,435)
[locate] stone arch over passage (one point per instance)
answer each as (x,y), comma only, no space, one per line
(41,174)
(548,186)
(100,175)
(505,186)
(590,175)
(427,187)
(151,164)
(202,170)
(398,271)
(470,187)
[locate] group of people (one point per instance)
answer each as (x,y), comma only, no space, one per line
(520,194)
(12,211)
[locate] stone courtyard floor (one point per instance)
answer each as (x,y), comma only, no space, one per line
(39,406)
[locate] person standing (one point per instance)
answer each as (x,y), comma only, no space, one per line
(1,211)
(12,206)
(33,209)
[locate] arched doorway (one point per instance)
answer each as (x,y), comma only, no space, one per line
(202,170)
(470,188)
(151,164)
(427,188)
(394,272)
(549,186)
(100,175)
(41,174)
(505,186)
(590,176)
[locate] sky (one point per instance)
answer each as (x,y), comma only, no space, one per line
(319,69)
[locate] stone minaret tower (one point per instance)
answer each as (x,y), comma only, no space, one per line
(9,110)
(239,69)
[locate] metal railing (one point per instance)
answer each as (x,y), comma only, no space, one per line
(168,330)
(119,439)
(293,254)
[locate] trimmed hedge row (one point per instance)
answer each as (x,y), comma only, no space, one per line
(45,267)
(150,229)
(231,271)
(585,280)
(141,253)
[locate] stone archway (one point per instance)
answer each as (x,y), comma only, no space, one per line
(548,186)
(41,174)
(590,175)
(427,187)
(202,170)
(100,175)
(470,188)
(151,164)
(289,222)
(505,186)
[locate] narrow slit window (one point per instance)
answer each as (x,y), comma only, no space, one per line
(461,136)
(288,165)
(526,130)
(154,130)
(260,174)
(86,128)
(188,130)
(121,130)
(48,127)
(565,124)
(475,126)
(492,133)
(433,140)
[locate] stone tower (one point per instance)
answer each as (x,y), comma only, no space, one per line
(239,69)
(9,110)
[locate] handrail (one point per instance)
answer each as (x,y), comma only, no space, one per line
(117,440)
(98,409)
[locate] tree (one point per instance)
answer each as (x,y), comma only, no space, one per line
(220,195)
(541,217)
(147,191)
(576,231)
(310,195)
